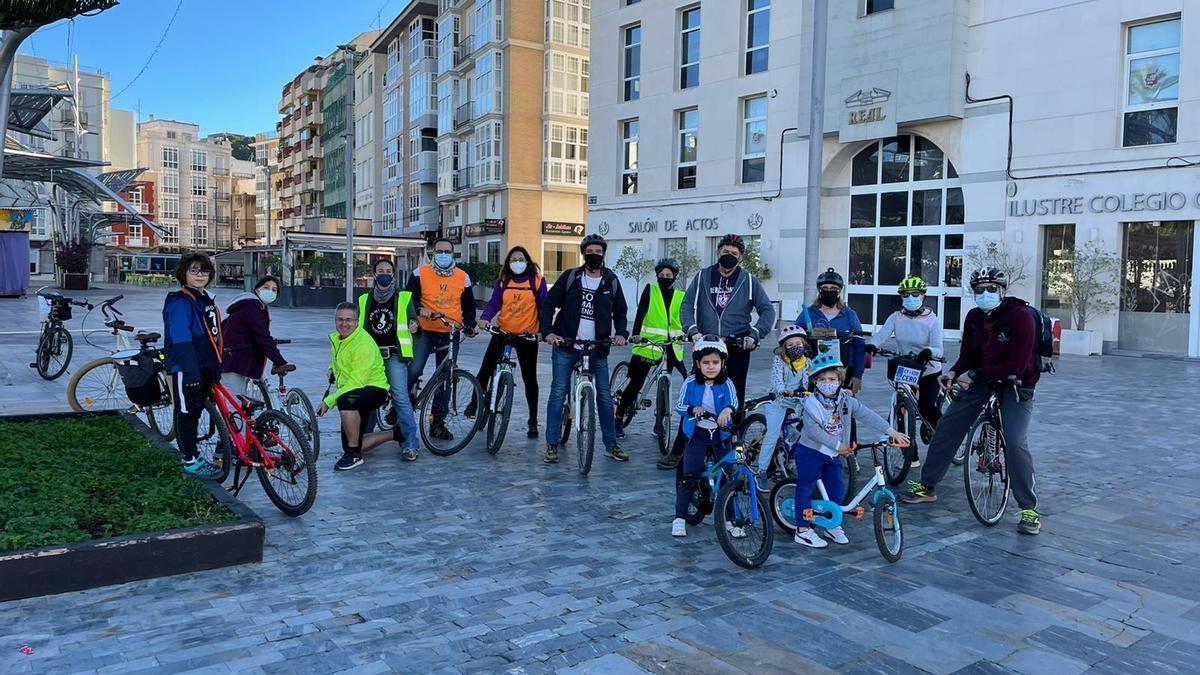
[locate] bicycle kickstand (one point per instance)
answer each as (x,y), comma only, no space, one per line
(239,481)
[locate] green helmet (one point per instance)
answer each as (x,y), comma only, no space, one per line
(912,284)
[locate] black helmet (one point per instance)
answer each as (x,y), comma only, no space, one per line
(667,263)
(593,239)
(732,240)
(831,277)
(989,275)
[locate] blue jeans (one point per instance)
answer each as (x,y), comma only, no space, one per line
(811,465)
(397,376)
(426,344)
(564,361)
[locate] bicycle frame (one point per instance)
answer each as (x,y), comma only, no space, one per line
(240,424)
(828,514)
(715,474)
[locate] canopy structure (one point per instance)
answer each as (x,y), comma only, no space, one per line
(28,108)
(25,14)
(336,243)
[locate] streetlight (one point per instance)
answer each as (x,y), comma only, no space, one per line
(816,139)
(348,136)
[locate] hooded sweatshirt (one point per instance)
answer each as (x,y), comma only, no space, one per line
(827,427)
(247,328)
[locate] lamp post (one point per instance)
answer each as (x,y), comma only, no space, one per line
(348,137)
(816,139)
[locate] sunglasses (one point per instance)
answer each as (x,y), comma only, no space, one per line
(987,288)
(911,294)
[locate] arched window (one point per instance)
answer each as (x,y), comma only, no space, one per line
(906,219)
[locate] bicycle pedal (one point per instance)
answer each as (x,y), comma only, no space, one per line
(858,512)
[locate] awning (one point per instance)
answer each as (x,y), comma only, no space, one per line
(336,243)
(29,106)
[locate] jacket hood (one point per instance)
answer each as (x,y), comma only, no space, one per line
(240,298)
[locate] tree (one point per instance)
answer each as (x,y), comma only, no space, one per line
(688,259)
(1089,279)
(240,146)
(271,263)
(998,254)
(753,262)
(323,266)
(634,264)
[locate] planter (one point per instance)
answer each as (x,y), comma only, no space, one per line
(102,562)
(1082,342)
(72,281)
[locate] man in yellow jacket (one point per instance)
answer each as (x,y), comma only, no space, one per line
(356,370)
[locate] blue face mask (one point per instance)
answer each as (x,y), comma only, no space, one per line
(443,260)
(383,280)
(912,303)
(987,301)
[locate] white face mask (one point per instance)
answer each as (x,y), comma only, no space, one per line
(912,303)
(267,295)
(828,389)
(517,266)
(987,301)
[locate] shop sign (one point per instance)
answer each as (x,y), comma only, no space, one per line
(16,220)
(489,226)
(870,107)
(1135,202)
(560,229)
(454,234)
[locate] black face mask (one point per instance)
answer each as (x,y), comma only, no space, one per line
(593,261)
(830,298)
(728,261)
(665,284)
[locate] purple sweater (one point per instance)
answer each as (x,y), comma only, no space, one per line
(247,330)
(493,306)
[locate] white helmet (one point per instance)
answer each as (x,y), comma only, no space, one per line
(706,344)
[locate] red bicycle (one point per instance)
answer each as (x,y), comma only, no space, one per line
(272,444)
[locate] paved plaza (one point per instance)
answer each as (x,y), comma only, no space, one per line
(476,563)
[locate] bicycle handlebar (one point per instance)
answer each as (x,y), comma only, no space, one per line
(529,337)
(955,392)
(572,342)
(889,353)
(679,339)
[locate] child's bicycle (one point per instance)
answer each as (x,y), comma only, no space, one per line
(745,534)
(579,411)
(658,380)
(499,396)
(828,514)
(906,371)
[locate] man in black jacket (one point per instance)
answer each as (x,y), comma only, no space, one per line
(585,304)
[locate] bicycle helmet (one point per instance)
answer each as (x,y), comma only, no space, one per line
(823,362)
(707,345)
(989,275)
(795,330)
(829,276)
(732,240)
(667,264)
(910,284)
(593,239)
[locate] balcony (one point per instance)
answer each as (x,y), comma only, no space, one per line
(222,220)
(221,170)
(462,115)
(462,179)
(423,167)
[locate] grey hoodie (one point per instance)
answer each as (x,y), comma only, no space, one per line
(819,422)
(699,315)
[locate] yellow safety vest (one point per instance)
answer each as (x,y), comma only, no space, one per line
(657,326)
(404,338)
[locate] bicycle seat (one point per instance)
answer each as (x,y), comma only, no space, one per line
(250,405)
(147,338)
(284,369)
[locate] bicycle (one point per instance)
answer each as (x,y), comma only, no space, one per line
(292,401)
(450,392)
(99,384)
(889,535)
(501,391)
(740,510)
(272,444)
(657,380)
(986,478)
(903,411)
(54,348)
(579,411)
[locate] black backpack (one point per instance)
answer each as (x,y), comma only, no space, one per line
(1043,346)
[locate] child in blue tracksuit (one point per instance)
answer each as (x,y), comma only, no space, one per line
(708,390)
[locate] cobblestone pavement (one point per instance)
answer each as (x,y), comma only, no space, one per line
(504,564)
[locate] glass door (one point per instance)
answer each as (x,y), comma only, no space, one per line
(1156,290)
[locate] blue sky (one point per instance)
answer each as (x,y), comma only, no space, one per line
(223,62)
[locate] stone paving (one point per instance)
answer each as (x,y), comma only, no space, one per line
(504,564)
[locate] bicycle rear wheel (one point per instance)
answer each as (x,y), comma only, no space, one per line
(985,472)
(701,504)
(587,429)
(54,352)
(447,431)
(896,460)
(97,386)
(888,534)
(497,419)
(297,405)
(664,416)
(292,484)
(743,530)
(751,432)
(258,390)
(161,416)
(783,504)
(213,440)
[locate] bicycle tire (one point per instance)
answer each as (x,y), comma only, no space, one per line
(297,405)
(587,429)
(459,384)
(729,512)
(889,535)
(664,417)
(107,393)
(701,504)
(850,470)
(294,459)
(783,492)
(162,416)
(258,389)
(618,380)
(896,461)
(994,468)
(567,422)
(50,365)
(750,433)
(497,423)
(213,440)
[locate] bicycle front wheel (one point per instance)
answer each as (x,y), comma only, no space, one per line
(497,419)
(751,432)
(783,504)
(587,429)
(54,353)
(664,416)
(743,530)
(297,405)
(985,472)
(97,386)
(619,380)
(896,460)
(213,440)
(445,427)
(849,477)
(888,535)
(291,484)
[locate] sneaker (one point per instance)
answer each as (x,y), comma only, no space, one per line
(620,428)
(533,430)
(1030,522)
(348,462)
(809,537)
(918,494)
(668,462)
(551,455)
(763,481)
(471,411)
(837,535)
(679,527)
(440,432)
(201,468)
(409,454)
(735,532)
(915,464)
(615,452)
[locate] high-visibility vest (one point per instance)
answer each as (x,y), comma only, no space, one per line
(658,326)
(441,295)
(518,306)
(404,339)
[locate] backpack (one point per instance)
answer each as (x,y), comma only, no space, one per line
(1043,346)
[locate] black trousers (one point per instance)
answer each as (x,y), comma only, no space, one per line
(527,353)
(639,368)
(189,403)
(927,395)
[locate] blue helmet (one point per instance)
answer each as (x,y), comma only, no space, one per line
(824,362)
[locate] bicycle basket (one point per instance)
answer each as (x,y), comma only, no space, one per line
(896,361)
(60,310)
(139,374)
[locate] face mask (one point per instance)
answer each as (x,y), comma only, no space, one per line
(517,266)
(828,389)
(383,280)
(794,352)
(728,261)
(665,283)
(987,301)
(593,261)
(266,295)
(912,303)
(830,298)
(443,260)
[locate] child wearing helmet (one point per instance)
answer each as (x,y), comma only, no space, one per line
(789,378)
(824,437)
(707,390)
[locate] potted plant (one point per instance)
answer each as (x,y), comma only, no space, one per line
(71,258)
(1089,280)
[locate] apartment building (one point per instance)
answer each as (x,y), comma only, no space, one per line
(193,183)
(243,225)
(266,169)
(368,133)
(512,127)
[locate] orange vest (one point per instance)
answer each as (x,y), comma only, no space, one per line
(518,307)
(441,295)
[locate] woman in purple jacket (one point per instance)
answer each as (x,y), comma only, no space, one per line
(248,341)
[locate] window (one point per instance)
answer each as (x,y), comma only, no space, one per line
(447,37)
(414,204)
(493,251)
(487,153)
(170,157)
(1058,244)
(568,22)
(557,258)
(170,183)
(629,165)
(445,106)
(199,210)
(421,41)
(487,22)
(873,6)
(199,161)
(754,139)
(566,154)
(170,207)
(473,252)
(199,185)
(488,76)
(1152,83)
(567,84)
(689,48)
(633,63)
(689,122)
(758,35)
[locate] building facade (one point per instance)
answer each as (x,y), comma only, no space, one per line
(708,127)
(368,131)
(266,170)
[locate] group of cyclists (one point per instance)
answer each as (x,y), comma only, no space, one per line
(382,342)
